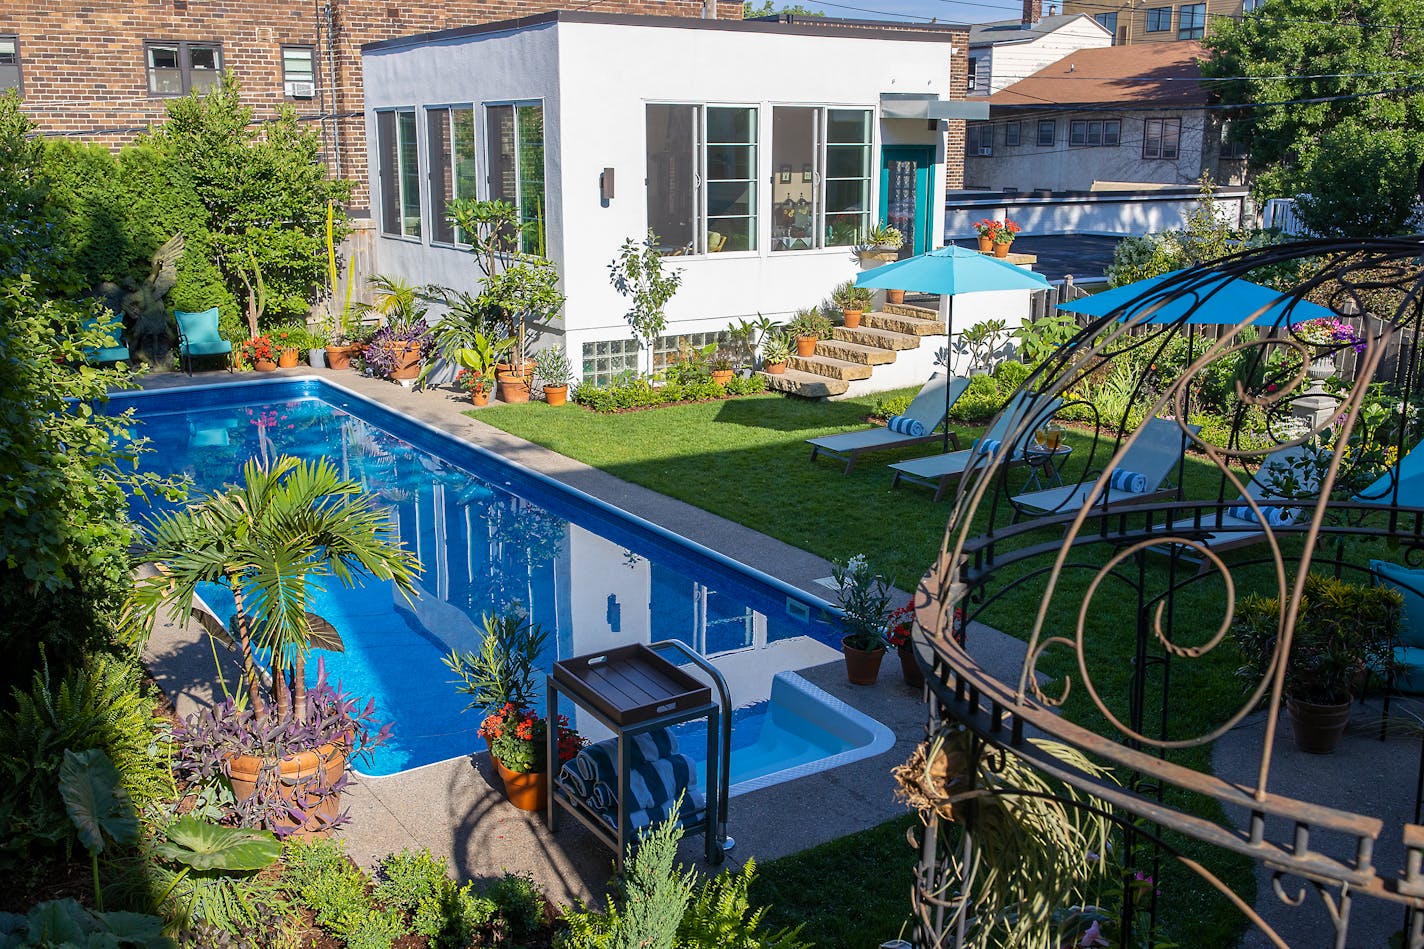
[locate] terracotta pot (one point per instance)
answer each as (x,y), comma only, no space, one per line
(1317,728)
(862,666)
(528,792)
(526,372)
(986,244)
(722,376)
(909,668)
(287,359)
(406,354)
(513,387)
(895,297)
(852,318)
(294,776)
(556,395)
(776,368)
(263,365)
(339,357)
(1001,249)
(805,346)
(480,396)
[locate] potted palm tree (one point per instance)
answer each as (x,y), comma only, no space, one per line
(865,603)
(269,540)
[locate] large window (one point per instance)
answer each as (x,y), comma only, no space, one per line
(702,178)
(1109,22)
(1092,132)
(820,188)
(978,139)
(176,69)
(10,63)
(399,171)
(847,176)
(1047,132)
(516,166)
(450,141)
(1191,21)
(299,72)
(1161,137)
(1159,19)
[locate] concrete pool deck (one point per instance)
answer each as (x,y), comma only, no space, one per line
(456,808)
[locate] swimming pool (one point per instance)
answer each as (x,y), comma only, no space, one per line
(492,534)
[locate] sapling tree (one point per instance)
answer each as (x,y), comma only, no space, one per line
(637,273)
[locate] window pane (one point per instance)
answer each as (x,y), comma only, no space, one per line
(1171,131)
(1011,133)
(729,197)
(731,125)
(1077,133)
(848,125)
(8,55)
(531,176)
(845,230)
(1112,132)
(464,154)
(387,165)
(204,68)
(9,63)
(297,64)
(165,78)
(409,174)
(442,173)
(730,161)
(1152,138)
(794,200)
(730,234)
(731,164)
(500,143)
(671,176)
(852,161)
(1047,130)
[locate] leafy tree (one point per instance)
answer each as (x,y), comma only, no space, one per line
(1364,56)
(265,193)
(768,8)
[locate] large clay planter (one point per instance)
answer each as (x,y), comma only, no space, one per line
(287,359)
(909,668)
(1317,728)
(513,387)
(263,365)
(722,376)
(528,792)
(986,244)
(852,318)
(895,297)
(339,357)
(328,761)
(406,354)
(862,666)
(805,346)
(1001,249)
(776,368)
(556,395)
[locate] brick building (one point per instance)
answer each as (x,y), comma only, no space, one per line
(102,70)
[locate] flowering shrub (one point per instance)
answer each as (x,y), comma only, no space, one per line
(381,356)
(898,625)
(257,349)
(864,600)
(472,381)
(1328,331)
(517,738)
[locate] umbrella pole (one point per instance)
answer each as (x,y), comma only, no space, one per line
(948,365)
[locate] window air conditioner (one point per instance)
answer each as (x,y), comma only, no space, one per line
(986,150)
(301,90)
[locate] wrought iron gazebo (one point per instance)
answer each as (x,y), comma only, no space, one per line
(1127,601)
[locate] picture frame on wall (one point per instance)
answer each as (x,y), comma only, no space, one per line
(786,174)
(806,173)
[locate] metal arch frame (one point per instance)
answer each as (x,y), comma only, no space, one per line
(970,574)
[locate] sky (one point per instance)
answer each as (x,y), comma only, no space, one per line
(946,11)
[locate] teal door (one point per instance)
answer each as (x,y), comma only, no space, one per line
(906,189)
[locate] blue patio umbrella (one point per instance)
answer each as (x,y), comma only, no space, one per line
(1407,474)
(1204,299)
(947,271)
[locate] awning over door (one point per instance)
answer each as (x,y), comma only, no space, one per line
(914,105)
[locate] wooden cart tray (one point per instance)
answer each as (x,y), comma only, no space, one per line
(630,684)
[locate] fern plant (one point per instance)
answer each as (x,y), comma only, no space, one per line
(720,916)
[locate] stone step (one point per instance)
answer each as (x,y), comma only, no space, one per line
(880,339)
(837,369)
(912,309)
(807,385)
(902,323)
(849,351)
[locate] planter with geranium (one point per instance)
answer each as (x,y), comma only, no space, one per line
(1004,238)
(899,626)
(986,229)
(500,680)
(477,362)
(289,525)
(288,344)
(258,353)
(864,601)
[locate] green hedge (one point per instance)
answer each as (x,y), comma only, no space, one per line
(642,394)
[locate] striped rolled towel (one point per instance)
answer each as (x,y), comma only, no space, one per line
(642,820)
(1273,516)
(1131,481)
(651,784)
(598,763)
(906,425)
(987,446)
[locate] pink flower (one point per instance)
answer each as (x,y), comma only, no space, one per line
(1093,936)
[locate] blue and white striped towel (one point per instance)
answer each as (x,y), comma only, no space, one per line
(1132,481)
(598,763)
(987,446)
(651,784)
(641,820)
(906,425)
(1274,516)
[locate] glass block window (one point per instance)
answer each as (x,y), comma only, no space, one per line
(665,350)
(606,358)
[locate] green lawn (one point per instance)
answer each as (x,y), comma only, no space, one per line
(747,460)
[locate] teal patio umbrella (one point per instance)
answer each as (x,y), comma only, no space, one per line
(1203,299)
(947,271)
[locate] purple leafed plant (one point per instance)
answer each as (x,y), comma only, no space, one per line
(207,741)
(381,360)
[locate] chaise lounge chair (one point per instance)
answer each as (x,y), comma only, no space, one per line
(1139,475)
(198,336)
(1232,526)
(929,410)
(937,471)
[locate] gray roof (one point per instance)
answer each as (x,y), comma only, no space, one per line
(1012,31)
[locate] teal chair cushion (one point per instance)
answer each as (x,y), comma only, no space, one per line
(198,333)
(1409,671)
(1411,584)
(107,354)
(208,348)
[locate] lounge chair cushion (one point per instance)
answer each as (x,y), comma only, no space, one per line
(987,446)
(1133,482)
(218,348)
(1273,516)
(906,425)
(1411,584)
(108,354)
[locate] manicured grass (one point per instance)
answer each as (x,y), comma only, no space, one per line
(747,460)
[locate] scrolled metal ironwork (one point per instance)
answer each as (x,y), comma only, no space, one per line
(1292,483)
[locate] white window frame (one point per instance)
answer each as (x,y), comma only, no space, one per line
(287,79)
(486,169)
(818,168)
(430,183)
(397,177)
(17,65)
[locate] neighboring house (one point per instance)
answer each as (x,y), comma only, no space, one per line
(1003,52)
(1159,21)
(755,163)
(1121,118)
(103,70)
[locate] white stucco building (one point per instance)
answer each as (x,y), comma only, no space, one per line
(756,150)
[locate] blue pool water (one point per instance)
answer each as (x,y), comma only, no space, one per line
(491,534)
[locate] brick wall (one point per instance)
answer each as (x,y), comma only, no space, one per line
(84,71)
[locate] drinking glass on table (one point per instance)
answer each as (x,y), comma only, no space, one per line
(1050,437)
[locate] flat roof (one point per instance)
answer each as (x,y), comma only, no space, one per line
(788,25)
